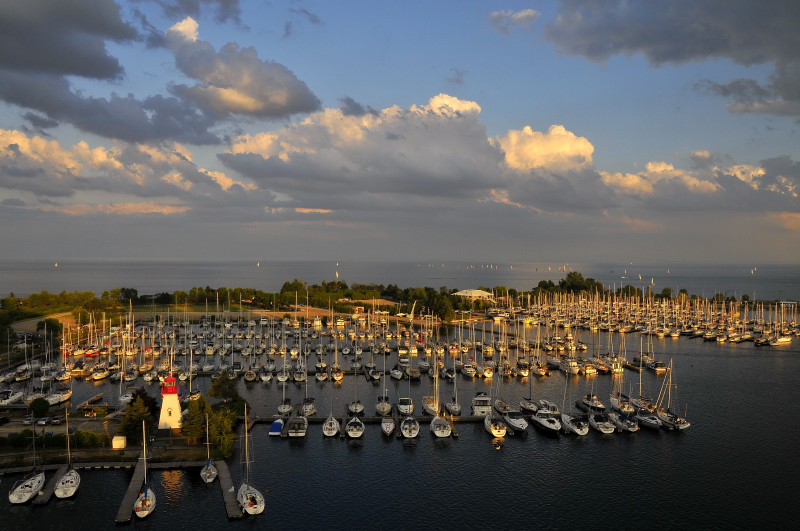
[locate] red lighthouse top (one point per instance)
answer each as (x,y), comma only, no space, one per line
(170,386)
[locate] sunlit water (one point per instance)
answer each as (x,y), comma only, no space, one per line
(733,468)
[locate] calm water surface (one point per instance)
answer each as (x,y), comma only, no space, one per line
(23,277)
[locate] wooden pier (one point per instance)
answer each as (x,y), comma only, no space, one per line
(126,507)
(228,492)
(45,495)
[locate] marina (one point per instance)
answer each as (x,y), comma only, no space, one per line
(619,349)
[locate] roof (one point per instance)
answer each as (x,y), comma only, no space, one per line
(474,294)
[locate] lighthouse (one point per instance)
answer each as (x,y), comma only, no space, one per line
(170,407)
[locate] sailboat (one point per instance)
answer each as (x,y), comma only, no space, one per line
(29,486)
(250,499)
(571,423)
(439,426)
(146,502)
(493,424)
(209,472)
(331,427)
(68,484)
(669,419)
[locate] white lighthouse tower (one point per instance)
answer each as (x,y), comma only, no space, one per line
(170,407)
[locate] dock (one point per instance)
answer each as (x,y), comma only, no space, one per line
(126,507)
(228,492)
(45,495)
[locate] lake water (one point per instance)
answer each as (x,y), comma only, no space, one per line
(734,468)
(23,277)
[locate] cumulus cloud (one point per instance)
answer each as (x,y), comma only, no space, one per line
(46,169)
(234,80)
(123,117)
(438,149)
(504,21)
(683,31)
(62,37)
(557,149)
(645,183)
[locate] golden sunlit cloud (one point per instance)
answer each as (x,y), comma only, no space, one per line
(115,208)
(557,149)
(224,181)
(746,173)
(312,211)
(14,144)
(177,180)
(643,183)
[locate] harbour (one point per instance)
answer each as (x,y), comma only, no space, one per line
(555,469)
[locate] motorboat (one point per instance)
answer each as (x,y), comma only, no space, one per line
(600,422)
(481,405)
(623,422)
(515,420)
(546,420)
(574,424)
(409,427)
(493,425)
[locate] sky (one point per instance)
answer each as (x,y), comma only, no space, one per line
(563,130)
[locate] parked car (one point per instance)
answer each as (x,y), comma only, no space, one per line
(4,420)
(28,421)
(44,421)
(58,419)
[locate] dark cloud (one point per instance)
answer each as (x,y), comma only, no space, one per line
(13,201)
(351,107)
(62,37)
(456,76)
(153,37)
(126,118)
(306,14)
(40,122)
(223,9)
(234,80)
(287,30)
(682,31)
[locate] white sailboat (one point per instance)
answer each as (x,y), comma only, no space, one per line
(209,472)
(249,498)
(29,486)
(331,426)
(68,484)
(668,419)
(146,502)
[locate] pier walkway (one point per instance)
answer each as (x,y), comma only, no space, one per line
(228,492)
(126,508)
(45,494)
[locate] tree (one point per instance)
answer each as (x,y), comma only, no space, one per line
(220,430)
(39,407)
(11,304)
(137,412)
(291,287)
(666,293)
(53,325)
(194,423)
(224,388)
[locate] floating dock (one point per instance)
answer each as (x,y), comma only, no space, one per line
(45,495)
(126,507)
(228,492)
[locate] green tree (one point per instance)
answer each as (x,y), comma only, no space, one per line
(666,293)
(136,412)
(194,423)
(39,407)
(221,425)
(11,304)
(224,388)
(296,285)
(53,325)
